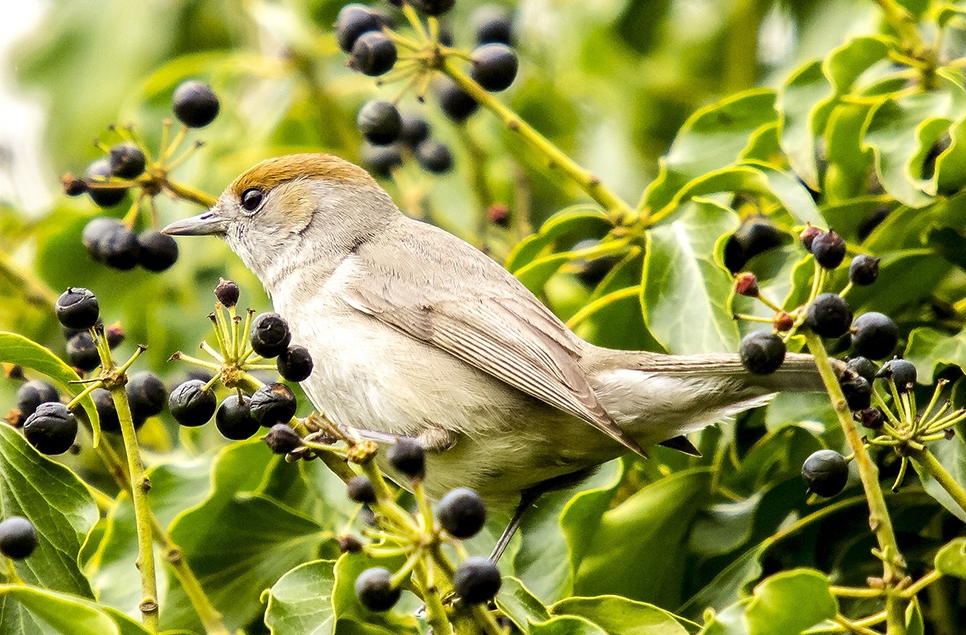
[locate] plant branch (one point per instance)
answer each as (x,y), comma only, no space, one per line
(904,24)
(879,520)
(928,463)
(556,158)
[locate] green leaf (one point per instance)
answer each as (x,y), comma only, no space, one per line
(929,349)
(519,604)
(789,602)
(17,349)
(567,625)
(917,272)
(348,608)
(297,604)
(951,559)
(712,138)
(685,292)
(727,585)
(951,454)
(620,616)
(796,101)
(57,503)
(660,513)
(63,613)
(914,621)
(567,226)
(730,621)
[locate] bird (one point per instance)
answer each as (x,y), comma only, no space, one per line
(416,334)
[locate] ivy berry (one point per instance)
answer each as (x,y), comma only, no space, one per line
(829,315)
(375,591)
(269,335)
(77,308)
(494,66)
(762,353)
(234,418)
(51,429)
(295,363)
(477,580)
(409,458)
(462,513)
(379,122)
(18,538)
(195,104)
(874,335)
(825,473)
(191,404)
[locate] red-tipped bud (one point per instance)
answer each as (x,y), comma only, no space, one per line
(498,214)
(227,293)
(808,235)
(73,186)
(746,284)
(783,321)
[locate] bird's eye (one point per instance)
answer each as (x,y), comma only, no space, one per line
(251,199)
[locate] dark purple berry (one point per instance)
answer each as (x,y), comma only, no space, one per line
(477,580)
(415,130)
(110,242)
(871,418)
(462,513)
(409,458)
(271,404)
(825,473)
(381,160)
(874,335)
(828,249)
(434,157)
(282,439)
(269,335)
(361,490)
(379,122)
(102,193)
(373,54)
(77,308)
(191,404)
(864,270)
(51,429)
(146,394)
(295,364)
(862,367)
(494,66)
(829,315)
(33,393)
(762,353)
(492,23)
(375,591)
(858,392)
(227,293)
(157,251)
(900,372)
(432,7)
(18,538)
(808,236)
(454,101)
(757,235)
(195,104)
(82,351)
(126,161)
(354,20)
(106,410)
(234,418)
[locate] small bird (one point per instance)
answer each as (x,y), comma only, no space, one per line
(415,333)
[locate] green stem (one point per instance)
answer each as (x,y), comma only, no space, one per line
(928,463)
(435,611)
(189,193)
(33,290)
(556,158)
(904,25)
(879,519)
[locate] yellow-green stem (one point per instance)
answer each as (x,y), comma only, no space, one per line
(435,611)
(928,463)
(189,193)
(556,158)
(31,287)
(879,520)
(904,24)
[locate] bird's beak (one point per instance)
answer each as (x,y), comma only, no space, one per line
(207,224)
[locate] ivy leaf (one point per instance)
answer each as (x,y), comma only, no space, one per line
(620,616)
(59,505)
(951,559)
(296,604)
(796,101)
(61,613)
(567,625)
(566,226)
(790,602)
(17,349)
(684,291)
(519,604)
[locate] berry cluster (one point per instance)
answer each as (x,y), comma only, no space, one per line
(368,36)
(460,515)
(129,165)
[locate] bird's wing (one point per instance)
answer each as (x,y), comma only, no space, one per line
(470,307)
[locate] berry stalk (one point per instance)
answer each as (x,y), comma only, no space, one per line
(893,563)
(927,463)
(556,158)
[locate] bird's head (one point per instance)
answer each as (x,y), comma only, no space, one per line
(294,211)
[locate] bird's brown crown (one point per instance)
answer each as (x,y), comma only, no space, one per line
(273,172)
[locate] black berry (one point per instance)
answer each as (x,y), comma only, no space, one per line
(409,458)
(477,580)
(434,156)
(862,367)
(295,364)
(103,194)
(271,404)
(73,186)
(126,161)
(146,394)
(864,270)
(454,101)
(808,236)
(195,104)
(858,392)
(829,315)
(349,544)
(191,404)
(157,251)
(871,418)
(758,235)
(462,513)
(234,419)
(874,335)
(115,335)
(825,473)
(32,394)
(591,271)
(494,66)
(77,308)
(227,293)
(18,538)
(381,160)
(828,249)
(282,439)
(354,20)
(360,490)
(762,353)
(51,429)
(110,242)
(373,54)
(415,130)
(269,335)
(375,591)
(379,122)
(902,373)
(106,410)
(82,351)
(492,23)
(432,7)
